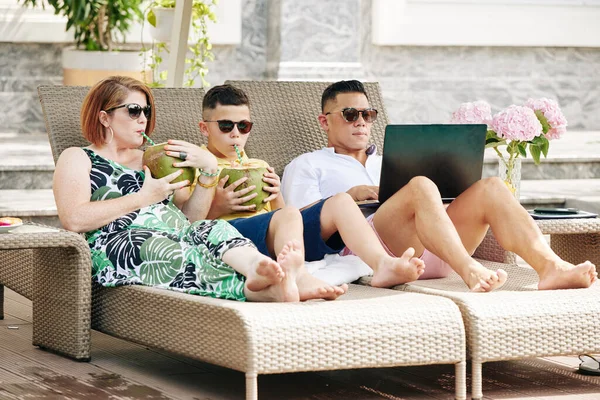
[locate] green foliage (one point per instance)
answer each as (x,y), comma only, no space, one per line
(97,24)
(537,147)
(201,50)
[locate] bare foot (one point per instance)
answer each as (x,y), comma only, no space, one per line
(264,273)
(314,288)
(568,276)
(284,288)
(392,271)
(482,279)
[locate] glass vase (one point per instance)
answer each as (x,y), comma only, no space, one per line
(510,172)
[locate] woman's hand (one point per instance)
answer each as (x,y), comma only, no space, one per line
(156,190)
(195,156)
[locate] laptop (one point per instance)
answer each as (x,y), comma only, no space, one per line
(450,155)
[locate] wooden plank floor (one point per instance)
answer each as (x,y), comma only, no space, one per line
(121,370)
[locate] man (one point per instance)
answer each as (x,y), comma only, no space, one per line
(415,216)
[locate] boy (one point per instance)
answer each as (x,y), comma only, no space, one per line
(325,227)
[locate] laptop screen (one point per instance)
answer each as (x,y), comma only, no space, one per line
(450,155)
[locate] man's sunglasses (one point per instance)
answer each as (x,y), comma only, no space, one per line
(351,114)
(226,125)
(134,109)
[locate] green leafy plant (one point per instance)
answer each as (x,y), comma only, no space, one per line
(97,24)
(201,49)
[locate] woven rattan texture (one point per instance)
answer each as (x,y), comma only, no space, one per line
(366,328)
(285,119)
(575,240)
(519,321)
(17,271)
(178,112)
(61,307)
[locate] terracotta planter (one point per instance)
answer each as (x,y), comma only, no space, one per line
(85,68)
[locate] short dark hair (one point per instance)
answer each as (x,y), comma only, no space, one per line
(225,95)
(331,92)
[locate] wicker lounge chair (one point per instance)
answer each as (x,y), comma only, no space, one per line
(366,328)
(515,322)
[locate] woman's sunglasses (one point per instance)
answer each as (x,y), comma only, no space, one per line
(351,114)
(134,109)
(226,125)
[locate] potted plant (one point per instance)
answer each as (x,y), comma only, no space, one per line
(99,28)
(160,18)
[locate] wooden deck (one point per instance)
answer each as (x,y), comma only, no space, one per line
(122,370)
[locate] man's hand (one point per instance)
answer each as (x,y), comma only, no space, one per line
(364,192)
(228,201)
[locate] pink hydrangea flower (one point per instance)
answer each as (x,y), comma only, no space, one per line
(551,111)
(477,112)
(517,123)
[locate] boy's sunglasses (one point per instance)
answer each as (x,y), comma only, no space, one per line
(351,114)
(226,125)
(134,109)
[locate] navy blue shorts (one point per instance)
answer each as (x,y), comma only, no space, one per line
(255,228)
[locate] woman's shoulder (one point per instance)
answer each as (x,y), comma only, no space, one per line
(75,153)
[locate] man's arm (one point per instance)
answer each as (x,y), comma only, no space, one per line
(300,184)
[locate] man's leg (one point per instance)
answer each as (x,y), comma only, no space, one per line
(488,203)
(415,217)
(341,214)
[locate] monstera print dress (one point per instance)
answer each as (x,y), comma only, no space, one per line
(157,245)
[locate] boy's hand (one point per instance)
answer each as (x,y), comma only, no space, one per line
(272,179)
(228,201)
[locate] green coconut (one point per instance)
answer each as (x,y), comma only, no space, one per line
(161,165)
(254,173)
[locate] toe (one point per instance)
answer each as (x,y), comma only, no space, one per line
(409,253)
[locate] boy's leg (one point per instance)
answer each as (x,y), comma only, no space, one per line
(271,233)
(266,280)
(340,213)
(285,226)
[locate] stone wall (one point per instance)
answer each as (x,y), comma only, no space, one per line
(331,40)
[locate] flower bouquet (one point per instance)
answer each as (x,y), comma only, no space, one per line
(519,128)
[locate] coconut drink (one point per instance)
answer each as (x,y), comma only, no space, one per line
(254,172)
(161,165)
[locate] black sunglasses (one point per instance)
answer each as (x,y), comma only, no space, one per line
(351,114)
(226,125)
(134,109)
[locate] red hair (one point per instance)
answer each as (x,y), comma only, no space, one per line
(108,93)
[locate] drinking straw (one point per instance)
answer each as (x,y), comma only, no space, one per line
(237,151)
(148,139)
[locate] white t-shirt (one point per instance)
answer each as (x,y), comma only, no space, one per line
(323,173)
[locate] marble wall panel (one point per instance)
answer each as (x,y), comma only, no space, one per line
(30,60)
(425,84)
(21,113)
(320,30)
